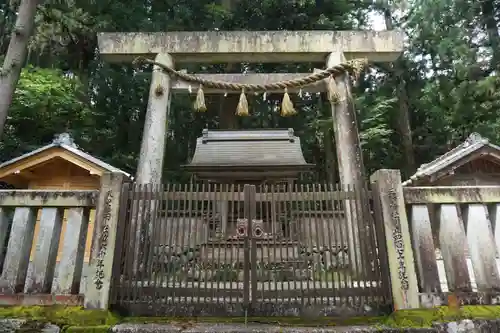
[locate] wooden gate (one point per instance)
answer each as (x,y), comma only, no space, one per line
(201,249)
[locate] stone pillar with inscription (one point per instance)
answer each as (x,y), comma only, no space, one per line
(104,241)
(391,216)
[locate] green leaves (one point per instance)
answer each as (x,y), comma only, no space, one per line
(46,102)
(448,71)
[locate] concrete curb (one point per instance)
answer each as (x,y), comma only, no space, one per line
(463,326)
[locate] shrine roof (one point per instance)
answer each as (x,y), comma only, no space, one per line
(248,150)
(63,147)
(473,147)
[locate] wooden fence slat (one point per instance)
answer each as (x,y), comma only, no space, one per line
(41,198)
(452,239)
(482,249)
(4,228)
(18,251)
(69,270)
(423,245)
(44,261)
(276,196)
(495,221)
(451,194)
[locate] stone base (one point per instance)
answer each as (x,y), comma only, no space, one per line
(464,326)
(23,325)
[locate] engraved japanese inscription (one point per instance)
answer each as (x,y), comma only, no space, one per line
(103,242)
(397,237)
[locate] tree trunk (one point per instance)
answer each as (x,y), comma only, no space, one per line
(16,55)
(488,15)
(404,126)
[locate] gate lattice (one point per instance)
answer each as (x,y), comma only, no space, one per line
(201,249)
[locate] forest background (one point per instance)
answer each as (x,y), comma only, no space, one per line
(444,87)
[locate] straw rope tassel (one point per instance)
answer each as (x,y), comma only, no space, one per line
(199,103)
(242,108)
(287,108)
(333,92)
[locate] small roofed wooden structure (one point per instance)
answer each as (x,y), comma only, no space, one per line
(476,161)
(60,165)
(234,156)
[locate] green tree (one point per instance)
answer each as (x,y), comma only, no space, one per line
(45,102)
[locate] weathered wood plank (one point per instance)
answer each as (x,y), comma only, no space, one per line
(276,197)
(299,293)
(36,198)
(482,249)
(70,267)
(44,260)
(452,194)
(41,300)
(452,239)
(5,221)
(495,221)
(18,251)
(423,247)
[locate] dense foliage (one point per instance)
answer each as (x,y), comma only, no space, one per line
(443,88)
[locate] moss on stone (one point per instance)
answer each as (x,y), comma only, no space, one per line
(419,318)
(76,319)
(61,315)
(426,317)
(31,326)
(88,329)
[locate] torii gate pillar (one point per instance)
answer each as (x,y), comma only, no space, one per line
(349,155)
(350,159)
(150,167)
(246,46)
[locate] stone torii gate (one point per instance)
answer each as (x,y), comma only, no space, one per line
(174,48)
(329,47)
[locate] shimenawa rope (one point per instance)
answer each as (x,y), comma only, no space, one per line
(352,67)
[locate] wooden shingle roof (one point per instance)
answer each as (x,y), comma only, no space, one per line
(62,142)
(474,146)
(262,151)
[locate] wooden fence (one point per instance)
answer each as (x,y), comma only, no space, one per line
(44,279)
(255,250)
(430,242)
(456,241)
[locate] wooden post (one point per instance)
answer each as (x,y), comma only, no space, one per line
(391,215)
(152,152)
(47,242)
(5,221)
(350,158)
(104,242)
(69,270)
(17,257)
